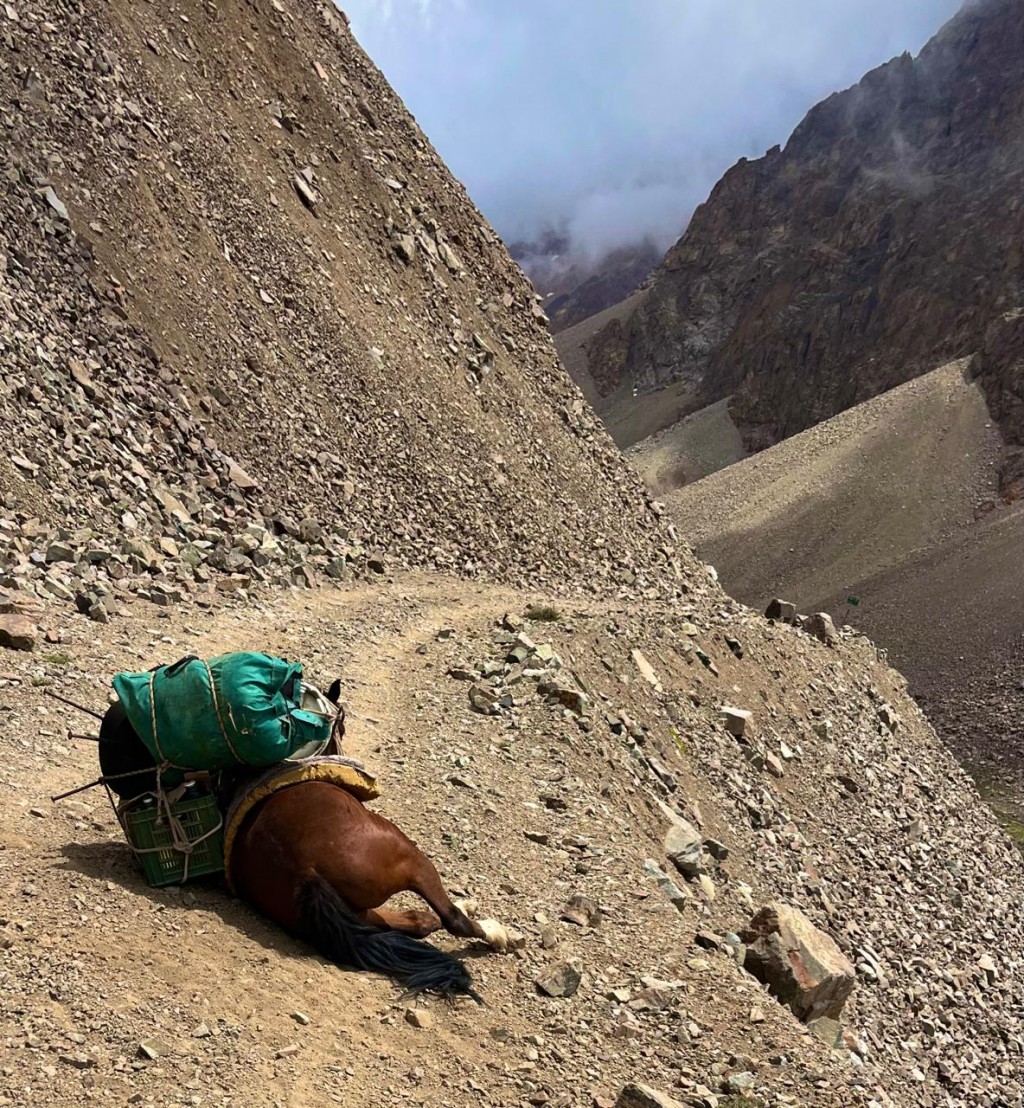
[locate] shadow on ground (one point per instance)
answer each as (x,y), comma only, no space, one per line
(113,861)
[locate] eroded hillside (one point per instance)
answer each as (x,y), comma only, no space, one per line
(239,287)
(902,503)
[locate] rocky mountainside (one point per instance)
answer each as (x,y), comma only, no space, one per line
(880,242)
(252,333)
(261,332)
(618,274)
(900,502)
(576,287)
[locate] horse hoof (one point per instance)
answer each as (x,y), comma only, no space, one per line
(495,935)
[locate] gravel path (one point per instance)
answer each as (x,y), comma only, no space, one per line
(522,811)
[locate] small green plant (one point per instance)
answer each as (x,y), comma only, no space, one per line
(543,613)
(1013,827)
(1008,819)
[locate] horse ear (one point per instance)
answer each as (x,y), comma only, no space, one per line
(334,692)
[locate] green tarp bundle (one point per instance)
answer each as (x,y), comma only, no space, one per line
(236,709)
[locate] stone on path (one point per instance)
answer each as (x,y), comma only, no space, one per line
(736,720)
(419,1017)
(830,1031)
(306,194)
(405,247)
(684,848)
(636,1095)
(561,979)
(646,670)
(582,911)
(239,478)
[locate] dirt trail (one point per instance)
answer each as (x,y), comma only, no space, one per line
(98,963)
(523,811)
(121,963)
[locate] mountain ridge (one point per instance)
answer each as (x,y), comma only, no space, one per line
(855,257)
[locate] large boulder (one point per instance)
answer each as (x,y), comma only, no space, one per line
(822,626)
(17,631)
(684,848)
(781,610)
(802,966)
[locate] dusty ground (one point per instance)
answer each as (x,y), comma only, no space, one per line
(852,497)
(699,445)
(94,963)
(99,963)
(952,618)
(631,419)
(895,502)
(202,348)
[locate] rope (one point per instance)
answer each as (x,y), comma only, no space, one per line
(220,721)
(164,801)
(152,718)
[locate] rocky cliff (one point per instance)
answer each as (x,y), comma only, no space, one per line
(999,367)
(879,243)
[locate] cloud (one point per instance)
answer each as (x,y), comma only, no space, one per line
(611,216)
(614,118)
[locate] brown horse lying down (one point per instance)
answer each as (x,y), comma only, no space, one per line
(318,863)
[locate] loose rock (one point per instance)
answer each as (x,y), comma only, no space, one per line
(801,965)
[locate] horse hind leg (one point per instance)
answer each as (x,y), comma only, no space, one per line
(416,923)
(425,882)
(343,936)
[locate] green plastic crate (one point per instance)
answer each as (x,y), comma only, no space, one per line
(146,829)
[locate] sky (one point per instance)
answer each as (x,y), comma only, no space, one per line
(614,118)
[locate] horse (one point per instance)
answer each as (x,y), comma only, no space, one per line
(318,863)
(313,859)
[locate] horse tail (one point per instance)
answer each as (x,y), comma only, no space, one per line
(333,928)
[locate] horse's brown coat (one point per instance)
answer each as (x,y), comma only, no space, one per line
(318,829)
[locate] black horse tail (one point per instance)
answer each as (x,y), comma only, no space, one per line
(331,926)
